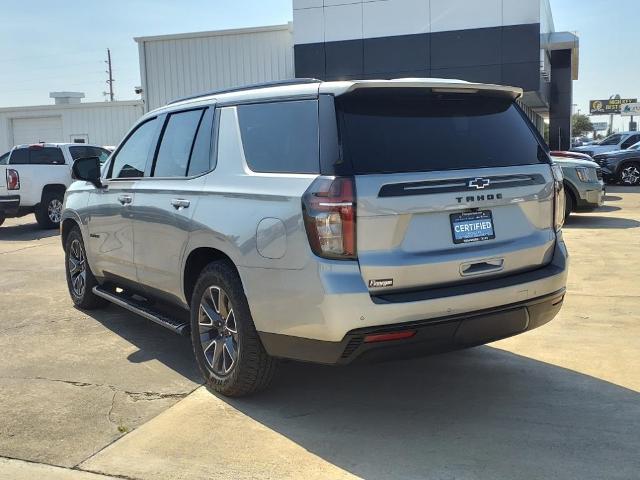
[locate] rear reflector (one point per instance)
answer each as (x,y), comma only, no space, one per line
(386,337)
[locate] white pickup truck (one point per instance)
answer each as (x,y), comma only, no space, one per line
(33,179)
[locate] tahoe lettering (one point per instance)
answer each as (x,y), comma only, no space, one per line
(479,198)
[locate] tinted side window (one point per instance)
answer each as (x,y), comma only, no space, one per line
(280,137)
(630,141)
(131,159)
(4,158)
(84,152)
(176,143)
(201,154)
(19,157)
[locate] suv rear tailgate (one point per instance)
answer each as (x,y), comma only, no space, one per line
(450,187)
(405,236)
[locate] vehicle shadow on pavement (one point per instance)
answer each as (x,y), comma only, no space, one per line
(25,232)
(600,222)
(153,341)
(607,208)
(479,413)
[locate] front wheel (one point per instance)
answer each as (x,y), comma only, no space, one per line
(80,279)
(630,174)
(568,203)
(226,345)
(49,211)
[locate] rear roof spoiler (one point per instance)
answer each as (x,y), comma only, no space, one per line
(434,84)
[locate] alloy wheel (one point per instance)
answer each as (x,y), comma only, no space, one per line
(218,331)
(630,175)
(77,268)
(54,210)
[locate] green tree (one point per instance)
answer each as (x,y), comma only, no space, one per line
(580,124)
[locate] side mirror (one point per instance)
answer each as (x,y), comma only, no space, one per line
(87,169)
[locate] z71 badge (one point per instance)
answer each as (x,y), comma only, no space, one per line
(385,282)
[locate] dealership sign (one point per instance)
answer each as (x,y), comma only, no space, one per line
(605,107)
(630,109)
(600,126)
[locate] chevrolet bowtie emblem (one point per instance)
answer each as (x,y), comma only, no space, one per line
(478,183)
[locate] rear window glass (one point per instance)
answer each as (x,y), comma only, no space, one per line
(19,156)
(388,133)
(46,156)
(281,137)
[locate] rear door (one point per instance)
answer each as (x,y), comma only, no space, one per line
(451,188)
(165,201)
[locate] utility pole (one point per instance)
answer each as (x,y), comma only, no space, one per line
(110,73)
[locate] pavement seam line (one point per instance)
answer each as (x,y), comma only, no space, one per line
(73,469)
(26,248)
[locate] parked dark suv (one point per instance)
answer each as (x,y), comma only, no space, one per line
(621,166)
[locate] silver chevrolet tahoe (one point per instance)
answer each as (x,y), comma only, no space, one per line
(323,222)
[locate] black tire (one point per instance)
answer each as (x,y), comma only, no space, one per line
(48,211)
(2,219)
(84,299)
(630,174)
(569,203)
(253,369)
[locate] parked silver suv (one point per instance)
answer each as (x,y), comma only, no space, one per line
(324,221)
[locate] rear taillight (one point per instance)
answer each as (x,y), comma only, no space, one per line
(559,197)
(329,210)
(13,179)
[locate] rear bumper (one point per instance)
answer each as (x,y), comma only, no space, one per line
(429,336)
(9,205)
(311,314)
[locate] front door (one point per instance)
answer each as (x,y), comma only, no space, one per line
(111,235)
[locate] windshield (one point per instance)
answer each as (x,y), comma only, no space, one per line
(611,140)
(387,132)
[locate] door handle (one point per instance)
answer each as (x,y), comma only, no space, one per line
(125,199)
(179,203)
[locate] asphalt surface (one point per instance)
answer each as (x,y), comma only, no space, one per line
(114,394)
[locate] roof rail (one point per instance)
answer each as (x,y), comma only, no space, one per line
(275,83)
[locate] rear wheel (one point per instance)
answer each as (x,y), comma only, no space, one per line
(49,211)
(226,345)
(630,174)
(80,279)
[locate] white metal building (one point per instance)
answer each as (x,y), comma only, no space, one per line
(174,66)
(510,42)
(102,123)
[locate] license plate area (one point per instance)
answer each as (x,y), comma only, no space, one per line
(469,227)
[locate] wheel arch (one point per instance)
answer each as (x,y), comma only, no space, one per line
(66,226)
(196,261)
(52,188)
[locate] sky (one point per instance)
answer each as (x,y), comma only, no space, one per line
(50,46)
